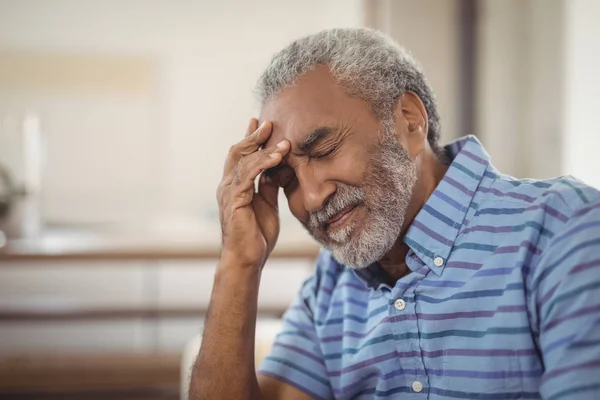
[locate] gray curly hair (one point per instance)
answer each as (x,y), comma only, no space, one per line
(366,63)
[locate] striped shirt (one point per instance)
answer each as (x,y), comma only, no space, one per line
(502,301)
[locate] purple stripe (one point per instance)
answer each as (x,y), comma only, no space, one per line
(300,351)
(514,249)
(470,314)
(431,233)
(586,210)
(473,374)
(547,296)
(363,364)
(487,228)
(584,266)
(461,314)
(353,285)
(479,353)
(468,353)
(463,265)
(576,229)
(474,157)
(494,272)
(578,313)
(559,342)
(347,300)
(560,371)
(453,284)
(514,308)
(291,382)
(483,374)
(424,270)
(514,195)
(449,200)
(457,185)
(506,249)
(301,325)
(550,210)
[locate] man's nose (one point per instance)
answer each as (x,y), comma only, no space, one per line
(315,190)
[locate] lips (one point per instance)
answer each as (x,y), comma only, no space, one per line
(338,219)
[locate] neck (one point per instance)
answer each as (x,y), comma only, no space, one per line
(431,172)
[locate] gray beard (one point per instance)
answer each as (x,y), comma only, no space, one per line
(385,196)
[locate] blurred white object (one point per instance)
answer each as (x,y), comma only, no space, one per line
(266,331)
(25,169)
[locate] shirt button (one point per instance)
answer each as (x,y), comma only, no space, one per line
(438,261)
(417,386)
(400,304)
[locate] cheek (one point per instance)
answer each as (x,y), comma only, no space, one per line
(296,205)
(351,168)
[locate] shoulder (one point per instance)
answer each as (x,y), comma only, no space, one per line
(325,276)
(561,198)
(566,192)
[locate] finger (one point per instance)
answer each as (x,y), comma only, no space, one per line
(250,167)
(268,191)
(265,206)
(247,146)
(252,127)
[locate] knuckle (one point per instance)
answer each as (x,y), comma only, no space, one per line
(232,149)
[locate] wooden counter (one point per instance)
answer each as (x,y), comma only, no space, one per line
(61,245)
(151,255)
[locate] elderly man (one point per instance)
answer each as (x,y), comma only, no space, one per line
(439,277)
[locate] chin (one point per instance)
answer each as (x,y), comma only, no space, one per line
(366,244)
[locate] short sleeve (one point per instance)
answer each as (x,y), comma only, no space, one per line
(566,288)
(296,356)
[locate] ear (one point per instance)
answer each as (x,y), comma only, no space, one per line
(411,119)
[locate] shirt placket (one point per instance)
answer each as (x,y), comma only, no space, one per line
(402,310)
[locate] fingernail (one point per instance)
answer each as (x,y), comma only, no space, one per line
(262,125)
(282,145)
(274,155)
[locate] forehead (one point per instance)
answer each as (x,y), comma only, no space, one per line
(316,100)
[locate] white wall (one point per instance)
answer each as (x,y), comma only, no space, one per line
(163,149)
(581,141)
(538,64)
(430,30)
(520,75)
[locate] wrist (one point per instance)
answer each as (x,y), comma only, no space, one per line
(236,267)
(231,259)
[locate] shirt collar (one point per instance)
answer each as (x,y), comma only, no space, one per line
(432,233)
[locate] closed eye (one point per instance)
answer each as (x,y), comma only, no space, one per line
(324,153)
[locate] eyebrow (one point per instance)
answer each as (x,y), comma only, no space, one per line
(310,141)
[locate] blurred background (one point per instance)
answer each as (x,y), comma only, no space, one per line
(115,118)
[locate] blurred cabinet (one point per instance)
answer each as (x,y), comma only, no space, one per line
(72,307)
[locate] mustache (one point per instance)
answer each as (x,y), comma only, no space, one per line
(345,196)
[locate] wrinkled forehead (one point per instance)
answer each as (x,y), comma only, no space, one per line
(315,100)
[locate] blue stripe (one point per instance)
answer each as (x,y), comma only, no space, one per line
(443,218)
(468,172)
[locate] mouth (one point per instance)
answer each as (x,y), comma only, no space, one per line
(340,218)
